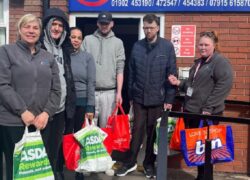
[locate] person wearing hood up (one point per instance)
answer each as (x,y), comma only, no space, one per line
(55,39)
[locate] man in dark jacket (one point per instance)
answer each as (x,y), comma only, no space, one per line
(152,60)
(55,39)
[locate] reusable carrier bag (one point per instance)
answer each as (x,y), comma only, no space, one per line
(71,151)
(118,129)
(30,159)
(171,126)
(193,144)
(175,142)
(93,155)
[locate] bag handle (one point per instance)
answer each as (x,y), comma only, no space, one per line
(118,105)
(26,131)
(208,122)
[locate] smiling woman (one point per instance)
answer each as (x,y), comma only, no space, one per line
(29,87)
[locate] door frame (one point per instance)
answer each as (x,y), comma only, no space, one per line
(73,16)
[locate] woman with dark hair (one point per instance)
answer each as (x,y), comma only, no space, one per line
(209,83)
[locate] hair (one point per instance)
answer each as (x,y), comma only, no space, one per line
(150,18)
(27,18)
(213,35)
(75,28)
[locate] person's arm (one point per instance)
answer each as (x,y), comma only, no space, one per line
(91,81)
(223,77)
(171,70)
(55,92)
(120,63)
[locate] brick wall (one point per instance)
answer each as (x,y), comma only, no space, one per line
(234,43)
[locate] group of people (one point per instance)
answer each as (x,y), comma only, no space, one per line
(52,78)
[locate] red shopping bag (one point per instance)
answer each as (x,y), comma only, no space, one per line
(108,141)
(193,144)
(175,142)
(119,127)
(71,151)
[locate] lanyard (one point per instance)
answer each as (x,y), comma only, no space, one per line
(198,67)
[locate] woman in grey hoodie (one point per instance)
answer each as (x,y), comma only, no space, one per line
(29,86)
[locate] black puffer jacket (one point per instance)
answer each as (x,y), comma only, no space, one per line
(149,67)
(67,50)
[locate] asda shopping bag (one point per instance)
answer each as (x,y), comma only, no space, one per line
(30,159)
(93,156)
(193,144)
(171,126)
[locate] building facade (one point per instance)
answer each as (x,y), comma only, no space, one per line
(234,34)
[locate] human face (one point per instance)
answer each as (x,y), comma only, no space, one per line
(206,46)
(150,30)
(76,38)
(56,29)
(105,28)
(30,32)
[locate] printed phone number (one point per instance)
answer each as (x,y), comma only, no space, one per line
(177,3)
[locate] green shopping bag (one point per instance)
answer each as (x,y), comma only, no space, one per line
(94,156)
(30,159)
(171,126)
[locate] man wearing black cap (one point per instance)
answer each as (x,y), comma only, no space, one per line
(108,52)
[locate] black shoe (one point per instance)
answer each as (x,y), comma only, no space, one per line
(79,176)
(124,170)
(149,171)
(59,175)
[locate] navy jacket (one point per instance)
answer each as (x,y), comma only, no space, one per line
(149,67)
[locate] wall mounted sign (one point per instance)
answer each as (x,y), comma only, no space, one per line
(183,39)
(160,5)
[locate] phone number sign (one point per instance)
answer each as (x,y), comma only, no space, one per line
(160,5)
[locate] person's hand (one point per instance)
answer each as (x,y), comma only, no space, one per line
(173,80)
(27,117)
(89,116)
(41,120)
(167,106)
(118,99)
(206,113)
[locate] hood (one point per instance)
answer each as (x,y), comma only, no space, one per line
(57,13)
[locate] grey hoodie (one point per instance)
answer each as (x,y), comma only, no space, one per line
(109,56)
(27,82)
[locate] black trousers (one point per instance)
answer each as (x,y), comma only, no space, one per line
(8,137)
(144,118)
(52,136)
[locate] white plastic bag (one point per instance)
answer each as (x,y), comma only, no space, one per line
(30,159)
(94,156)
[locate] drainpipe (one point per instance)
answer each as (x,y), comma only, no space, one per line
(46,5)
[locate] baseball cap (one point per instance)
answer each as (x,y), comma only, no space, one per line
(104,17)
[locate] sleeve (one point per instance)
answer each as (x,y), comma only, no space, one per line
(91,81)
(170,89)
(223,78)
(11,100)
(55,92)
(120,58)
(131,74)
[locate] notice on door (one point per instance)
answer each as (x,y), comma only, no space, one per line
(183,39)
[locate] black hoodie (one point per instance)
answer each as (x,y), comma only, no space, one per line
(67,50)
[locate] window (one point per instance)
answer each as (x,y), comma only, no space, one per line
(4,20)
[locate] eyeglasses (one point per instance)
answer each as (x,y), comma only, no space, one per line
(210,34)
(150,28)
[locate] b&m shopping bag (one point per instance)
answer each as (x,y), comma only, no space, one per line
(193,144)
(119,126)
(94,156)
(30,159)
(171,126)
